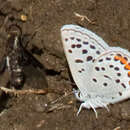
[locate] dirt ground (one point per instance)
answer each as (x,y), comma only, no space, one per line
(46,17)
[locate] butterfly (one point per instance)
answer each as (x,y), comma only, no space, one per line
(101,72)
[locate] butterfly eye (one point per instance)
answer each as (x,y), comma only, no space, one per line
(79,94)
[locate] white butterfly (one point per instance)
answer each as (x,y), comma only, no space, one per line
(101,72)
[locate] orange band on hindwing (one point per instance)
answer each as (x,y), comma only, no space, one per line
(123,60)
(127,66)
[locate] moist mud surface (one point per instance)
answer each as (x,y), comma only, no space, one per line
(42,24)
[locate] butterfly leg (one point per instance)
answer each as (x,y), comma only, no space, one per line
(87,104)
(80,108)
(84,103)
(93,109)
(103,104)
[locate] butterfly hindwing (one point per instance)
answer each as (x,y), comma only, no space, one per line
(110,77)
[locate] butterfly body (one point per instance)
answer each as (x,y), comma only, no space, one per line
(101,72)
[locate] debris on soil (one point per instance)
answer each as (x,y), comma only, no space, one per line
(83,17)
(41,123)
(23,18)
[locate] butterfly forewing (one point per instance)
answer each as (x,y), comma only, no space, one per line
(81,47)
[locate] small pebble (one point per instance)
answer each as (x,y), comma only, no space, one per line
(23,17)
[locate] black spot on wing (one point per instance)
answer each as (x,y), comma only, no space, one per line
(73,46)
(69,50)
(102,68)
(66,39)
(72,38)
(111,66)
(89,58)
(84,51)
(97,68)
(101,60)
(92,47)
(94,79)
(78,39)
(78,45)
(118,74)
(120,93)
(104,84)
(116,68)
(123,85)
(117,80)
(106,76)
(79,61)
(85,43)
(98,52)
(108,58)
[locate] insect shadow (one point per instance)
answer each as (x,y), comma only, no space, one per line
(22,67)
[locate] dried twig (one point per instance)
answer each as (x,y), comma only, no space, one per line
(83,17)
(29,91)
